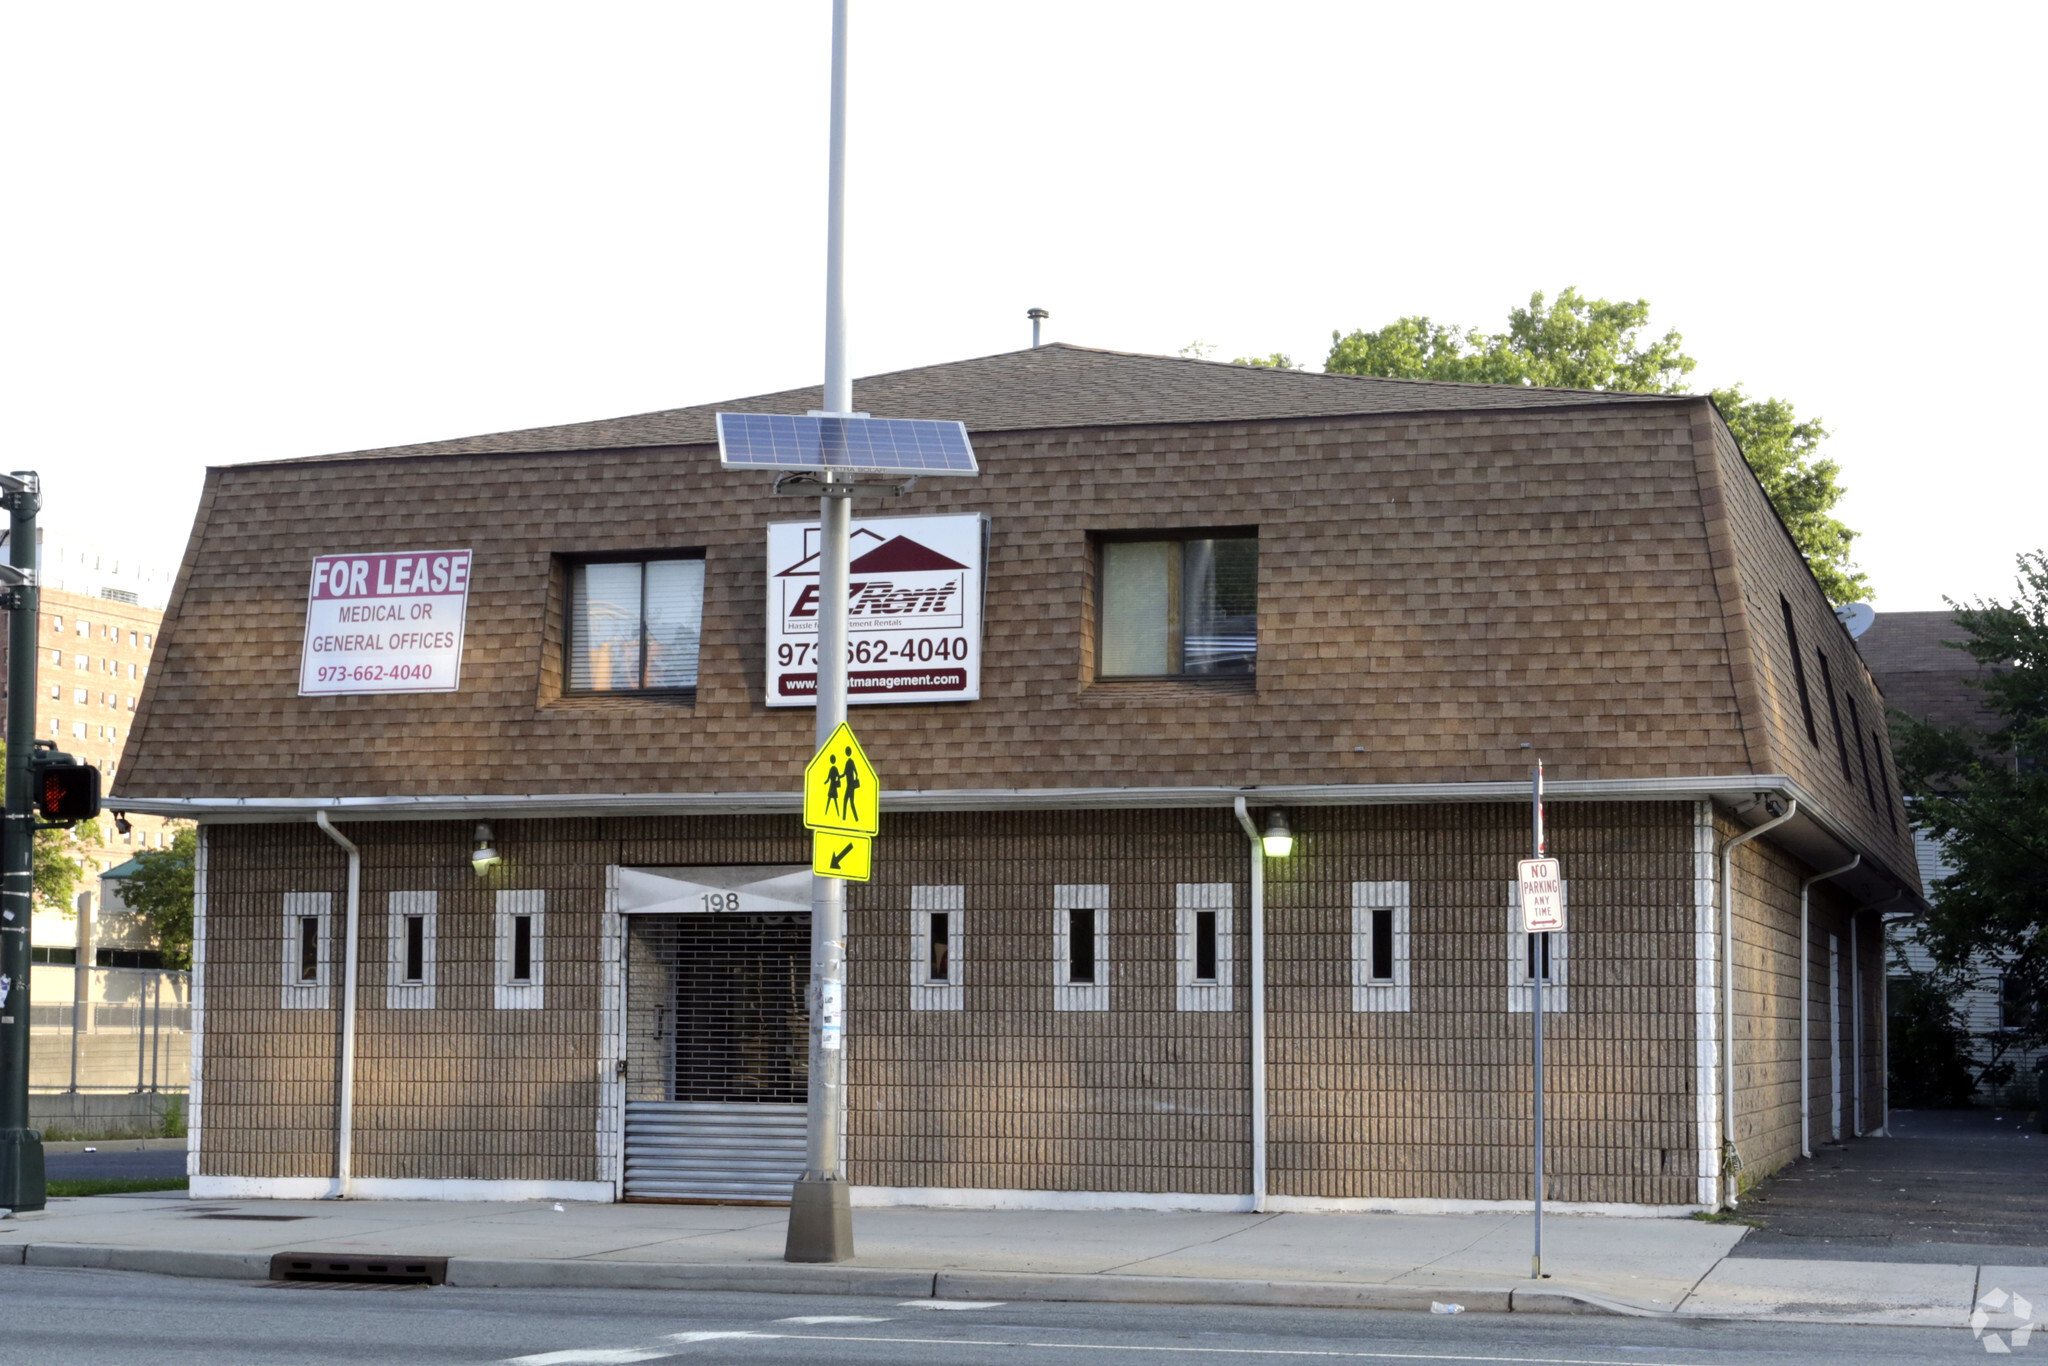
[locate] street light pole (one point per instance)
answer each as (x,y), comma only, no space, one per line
(820,1211)
(21,1148)
(1539,954)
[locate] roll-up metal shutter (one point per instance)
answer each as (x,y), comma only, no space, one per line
(717,1054)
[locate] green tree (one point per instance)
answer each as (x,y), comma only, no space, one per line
(1572,342)
(1985,796)
(1279,360)
(160,890)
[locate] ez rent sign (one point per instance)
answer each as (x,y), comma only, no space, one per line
(913,611)
(385,623)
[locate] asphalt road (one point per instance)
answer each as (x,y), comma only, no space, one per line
(108,1318)
(127,1166)
(1948,1186)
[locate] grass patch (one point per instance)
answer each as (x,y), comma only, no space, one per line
(112,1185)
(1724,1217)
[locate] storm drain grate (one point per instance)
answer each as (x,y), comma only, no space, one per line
(320,1266)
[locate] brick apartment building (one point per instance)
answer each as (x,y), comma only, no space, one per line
(96,629)
(1348,601)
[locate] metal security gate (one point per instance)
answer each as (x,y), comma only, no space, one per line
(717,1053)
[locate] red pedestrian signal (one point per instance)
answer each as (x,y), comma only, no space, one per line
(67,792)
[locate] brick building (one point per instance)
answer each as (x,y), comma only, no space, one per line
(1350,601)
(96,629)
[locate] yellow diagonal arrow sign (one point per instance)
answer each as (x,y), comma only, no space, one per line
(841,792)
(848,857)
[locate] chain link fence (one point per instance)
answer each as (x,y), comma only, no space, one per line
(109,1029)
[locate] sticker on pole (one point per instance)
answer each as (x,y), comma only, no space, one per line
(850,858)
(1542,900)
(385,623)
(841,792)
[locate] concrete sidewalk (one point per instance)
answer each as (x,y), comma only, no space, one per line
(1646,1266)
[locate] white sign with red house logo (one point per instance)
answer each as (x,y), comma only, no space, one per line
(384,623)
(1542,887)
(913,614)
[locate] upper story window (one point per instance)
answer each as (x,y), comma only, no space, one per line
(1184,607)
(634,625)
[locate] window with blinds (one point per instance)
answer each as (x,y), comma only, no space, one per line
(635,625)
(1187,607)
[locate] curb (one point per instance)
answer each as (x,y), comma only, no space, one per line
(508,1273)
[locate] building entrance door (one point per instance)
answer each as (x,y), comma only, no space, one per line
(717,1032)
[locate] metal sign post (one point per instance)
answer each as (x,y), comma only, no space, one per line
(820,1210)
(840,454)
(21,1148)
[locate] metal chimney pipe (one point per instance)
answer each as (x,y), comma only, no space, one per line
(1037,316)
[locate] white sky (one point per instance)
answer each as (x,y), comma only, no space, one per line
(249,231)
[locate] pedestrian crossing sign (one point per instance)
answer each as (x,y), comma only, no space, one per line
(841,792)
(850,858)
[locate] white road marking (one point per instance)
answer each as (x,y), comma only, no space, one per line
(952,1304)
(813,1320)
(1196,1351)
(589,1356)
(718,1337)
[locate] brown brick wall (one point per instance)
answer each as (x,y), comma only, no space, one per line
(1009,1092)
(1435,589)
(1767,1007)
(1435,1103)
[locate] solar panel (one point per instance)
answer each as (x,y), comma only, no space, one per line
(882,445)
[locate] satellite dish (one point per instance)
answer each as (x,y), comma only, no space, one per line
(1856,616)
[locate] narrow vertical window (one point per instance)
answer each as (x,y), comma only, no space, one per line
(1080,924)
(1205,946)
(1827,680)
(1799,673)
(305,933)
(1856,728)
(522,948)
(1539,957)
(1884,782)
(1379,946)
(938,930)
(940,963)
(1081,946)
(411,917)
(1202,975)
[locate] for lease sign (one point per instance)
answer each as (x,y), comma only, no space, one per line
(913,611)
(383,622)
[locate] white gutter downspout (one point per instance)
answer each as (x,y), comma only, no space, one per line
(1806,1010)
(345,1117)
(1258,916)
(1884,1015)
(1729,1152)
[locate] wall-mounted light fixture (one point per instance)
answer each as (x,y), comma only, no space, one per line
(486,856)
(1278,841)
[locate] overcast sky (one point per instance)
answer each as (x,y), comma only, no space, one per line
(242,232)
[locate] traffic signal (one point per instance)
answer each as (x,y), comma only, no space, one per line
(65,792)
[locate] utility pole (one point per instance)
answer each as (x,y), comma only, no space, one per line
(820,1210)
(21,1148)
